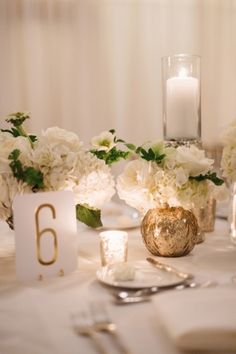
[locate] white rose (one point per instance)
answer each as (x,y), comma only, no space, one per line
(136,185)
(193,160)
(56,136)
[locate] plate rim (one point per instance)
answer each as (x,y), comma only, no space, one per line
(116,284)
(123,211)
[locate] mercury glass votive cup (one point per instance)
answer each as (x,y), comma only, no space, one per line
(113,247)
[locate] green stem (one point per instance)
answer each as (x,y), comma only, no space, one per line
(22,132)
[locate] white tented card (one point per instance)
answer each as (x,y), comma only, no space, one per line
(45,235)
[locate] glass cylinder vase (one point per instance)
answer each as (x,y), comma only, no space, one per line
(181,98)
(232,213)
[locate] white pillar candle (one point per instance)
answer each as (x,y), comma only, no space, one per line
(182,105)
(113,246)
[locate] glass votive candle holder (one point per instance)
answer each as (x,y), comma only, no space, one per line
(113,246)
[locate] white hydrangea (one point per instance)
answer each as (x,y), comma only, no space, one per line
(9,188)
(65,165)
(136,184)
(8,143)
(228,161)
(145,185)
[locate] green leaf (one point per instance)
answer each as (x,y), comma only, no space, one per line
(30,175)
(131,146)
(90,217)
(17,119)
(33,177)
(110,156)
(112,131)
(212,176)
(12,131)
(150,154)
(33,138)
(14,155)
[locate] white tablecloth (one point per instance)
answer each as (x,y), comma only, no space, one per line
(35,319)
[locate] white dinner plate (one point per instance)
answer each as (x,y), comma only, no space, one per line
(145,276)
(119,216)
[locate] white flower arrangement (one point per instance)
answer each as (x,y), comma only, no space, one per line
(228,161)
(162,175)
(55,160)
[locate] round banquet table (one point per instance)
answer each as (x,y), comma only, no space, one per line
(35,318)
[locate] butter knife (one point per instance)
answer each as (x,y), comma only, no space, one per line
(170,269)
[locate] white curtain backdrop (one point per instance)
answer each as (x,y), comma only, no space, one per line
(92,65)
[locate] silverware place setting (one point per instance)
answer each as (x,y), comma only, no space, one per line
(94,320)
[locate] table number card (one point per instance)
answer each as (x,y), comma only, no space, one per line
(45,234)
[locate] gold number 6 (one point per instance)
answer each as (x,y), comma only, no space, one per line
(46,230)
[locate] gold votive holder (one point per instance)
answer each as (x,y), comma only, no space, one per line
(206,216)
(113,247)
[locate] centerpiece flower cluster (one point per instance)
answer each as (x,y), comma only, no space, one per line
(156,175)
(55,160)
(228,161)
(162,175)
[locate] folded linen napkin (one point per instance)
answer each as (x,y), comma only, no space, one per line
(200,319)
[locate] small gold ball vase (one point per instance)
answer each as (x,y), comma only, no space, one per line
(169,231)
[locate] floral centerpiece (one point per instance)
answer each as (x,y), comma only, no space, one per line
(55,160)
(228,166)
(228,161)
(163,175)
(165,184)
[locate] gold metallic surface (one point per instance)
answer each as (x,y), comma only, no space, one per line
(39,234)
(206,216)
(169,232)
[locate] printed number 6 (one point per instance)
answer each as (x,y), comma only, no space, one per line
(46,230)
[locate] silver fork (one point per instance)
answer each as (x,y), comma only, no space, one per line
(102,322)
(83,325)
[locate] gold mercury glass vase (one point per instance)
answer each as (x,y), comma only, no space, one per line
(169,231)
(205,218)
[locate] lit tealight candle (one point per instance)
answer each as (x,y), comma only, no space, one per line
(113,246)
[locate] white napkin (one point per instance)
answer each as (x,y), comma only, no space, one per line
(199,319)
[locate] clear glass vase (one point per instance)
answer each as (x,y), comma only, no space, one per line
(181,98)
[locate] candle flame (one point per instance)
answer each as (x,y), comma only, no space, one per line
(183,73)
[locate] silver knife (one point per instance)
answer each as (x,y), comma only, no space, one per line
(169,269)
